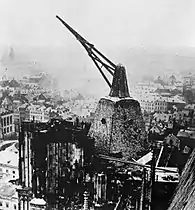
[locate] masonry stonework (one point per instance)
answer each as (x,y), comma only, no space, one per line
(118,126)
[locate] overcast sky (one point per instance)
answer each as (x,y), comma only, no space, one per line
(104,22)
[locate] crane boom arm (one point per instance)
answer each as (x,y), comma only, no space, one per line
(98,58)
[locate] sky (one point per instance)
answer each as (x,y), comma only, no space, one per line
(115,27)
(107,23)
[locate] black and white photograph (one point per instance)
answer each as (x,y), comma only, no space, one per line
(97,105)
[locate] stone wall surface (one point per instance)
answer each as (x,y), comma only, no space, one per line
(99,130)
(183,198)
(128,128)
(118,127)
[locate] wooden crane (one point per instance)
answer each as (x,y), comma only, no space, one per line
(119,87)
(98,58)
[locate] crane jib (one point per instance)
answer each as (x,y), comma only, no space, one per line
(98,58)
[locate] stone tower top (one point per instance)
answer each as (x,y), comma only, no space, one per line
(119,86)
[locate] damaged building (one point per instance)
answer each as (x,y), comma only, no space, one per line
(58,160)
(52,161)
(118,126)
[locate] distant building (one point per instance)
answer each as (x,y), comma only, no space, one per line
(21,111)
(14,84)
(176,102)
(7,103)
(7,123)
(172,80)
(36,113)
(9,160)
(179,85)
(157,103)
(188,80)
(144,88)
(8,197)
(153,104)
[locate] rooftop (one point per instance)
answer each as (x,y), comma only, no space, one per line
(37,201)
(7,190)
(9,154)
